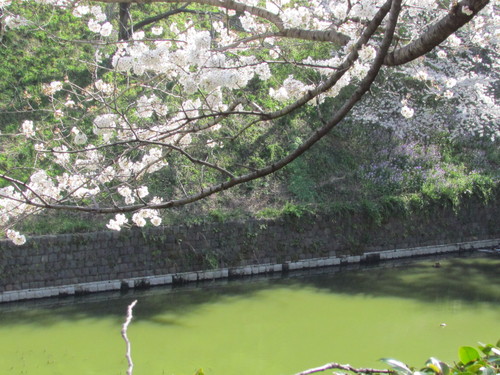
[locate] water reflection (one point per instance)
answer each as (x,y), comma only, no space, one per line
(275,325)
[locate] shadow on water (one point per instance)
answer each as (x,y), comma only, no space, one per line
(471,278)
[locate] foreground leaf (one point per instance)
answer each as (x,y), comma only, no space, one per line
(468,354)
(399,366)
(437,366)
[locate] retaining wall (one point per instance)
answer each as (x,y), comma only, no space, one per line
(88,262)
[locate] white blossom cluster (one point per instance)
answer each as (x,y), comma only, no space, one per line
(138,218)
(192,63)
(39,190)
(15,21)
(251,25)
(15,237)
(97,22)
(146,106)
(131,195)
(10,204)
(79,185)
(51,88)
(407,112)
(466,101)
(291,89)
(150,162)
(28,128)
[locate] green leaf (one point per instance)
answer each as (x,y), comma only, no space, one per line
(486,349)
(468,354)
(437,366)
(399,366)
(199,372)
(475,367)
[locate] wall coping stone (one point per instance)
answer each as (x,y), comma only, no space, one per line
(241,271)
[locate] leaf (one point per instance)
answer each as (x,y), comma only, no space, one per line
(434,368)
(475,367)
(486,349)
(199,372)
(437,366)
(487,371)
(468,354)
(399,366)
(494,359)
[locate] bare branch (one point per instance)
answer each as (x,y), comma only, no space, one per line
(228,4)
(150,20)
(315,35)
(190,157)
(333,365)
(330,36)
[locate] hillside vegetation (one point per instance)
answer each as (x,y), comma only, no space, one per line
(360,165)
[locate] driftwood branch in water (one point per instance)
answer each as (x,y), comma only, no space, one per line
(128,354)
(328,366)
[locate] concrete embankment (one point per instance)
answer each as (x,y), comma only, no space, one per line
(72,264)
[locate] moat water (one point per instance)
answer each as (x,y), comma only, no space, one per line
(263,326)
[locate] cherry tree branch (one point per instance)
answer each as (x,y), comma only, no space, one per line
(315,35)
(26,200)
(458,16)
(364,86)
(191,158)
(150,20)
(341,69)
(228,4)
(337,117)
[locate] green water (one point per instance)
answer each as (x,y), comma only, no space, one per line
(263,326)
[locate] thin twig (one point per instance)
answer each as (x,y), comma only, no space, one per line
(334,365)
(127,341)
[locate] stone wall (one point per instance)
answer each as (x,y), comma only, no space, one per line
(76,259)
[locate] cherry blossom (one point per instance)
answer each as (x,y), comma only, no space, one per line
(407,112)
(174,94)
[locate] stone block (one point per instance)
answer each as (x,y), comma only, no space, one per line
(292,266)
(353,259)
(277,267)
(236,271)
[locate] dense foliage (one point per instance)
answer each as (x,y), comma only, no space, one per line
(485,361)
